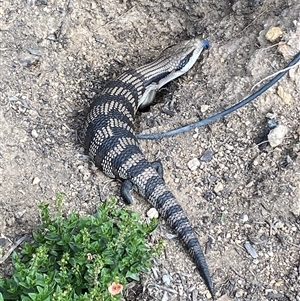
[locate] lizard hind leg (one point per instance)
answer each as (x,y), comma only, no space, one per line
(126,188)
(158,167)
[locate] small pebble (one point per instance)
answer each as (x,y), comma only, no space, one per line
(193,164)
(250,249)
(250,184)
(176,180)
(204,108)
(99,38)
(34,134)
(239,293)
(229,147)
(272,123)
(279,283)
(13,98)
(152,213)
(285,50)
(276,136)
(270,115)
(166,279)
(218,187)
(3,241)
(207,155)
(52,37)
(285,96)
(171,236)
(208,295)
(19,214)
(36,181)
(244,218)
(36,52)
(274,34)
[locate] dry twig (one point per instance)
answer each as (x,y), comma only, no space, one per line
(18,242)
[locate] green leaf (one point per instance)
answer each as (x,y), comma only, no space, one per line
(52,236)
(133,276)
(71,255)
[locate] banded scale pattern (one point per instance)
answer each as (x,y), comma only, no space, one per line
(112,145)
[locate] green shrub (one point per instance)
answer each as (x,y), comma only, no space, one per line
(80,258)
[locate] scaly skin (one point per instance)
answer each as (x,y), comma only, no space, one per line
(112,145)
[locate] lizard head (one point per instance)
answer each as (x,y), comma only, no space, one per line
(173,62)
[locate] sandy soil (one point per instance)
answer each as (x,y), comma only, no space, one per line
(56,55)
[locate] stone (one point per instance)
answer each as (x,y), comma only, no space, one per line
(19,214)
(250,249)
(239,293)
(244,218)
(34,133)
(152,213)
(166,279)
(218,187)
(36,181)
(208,295)
(3,241)
(35,52)
(276,135)
(207,155)
(285,96)
(274,34)
(193,164)
(204,108)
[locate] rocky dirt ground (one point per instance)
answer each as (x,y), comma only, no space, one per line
(56,55)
